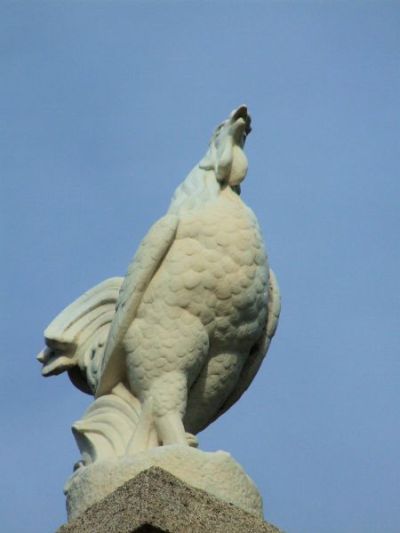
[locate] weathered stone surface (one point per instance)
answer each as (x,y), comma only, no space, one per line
(169,348)
(173,345)
(155,501)
(215,472)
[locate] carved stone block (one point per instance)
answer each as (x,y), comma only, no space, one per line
(215,472)
(155,501)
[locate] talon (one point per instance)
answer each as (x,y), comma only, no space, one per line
(192,440)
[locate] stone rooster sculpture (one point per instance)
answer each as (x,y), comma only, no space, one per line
(173,345)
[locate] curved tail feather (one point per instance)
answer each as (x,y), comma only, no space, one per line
(107,426)
(75,339)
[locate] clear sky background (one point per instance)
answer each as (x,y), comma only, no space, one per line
(105,107)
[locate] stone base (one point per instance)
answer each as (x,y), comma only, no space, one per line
(156,502)
(214,472)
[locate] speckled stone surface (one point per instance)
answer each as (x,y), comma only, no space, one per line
(217,473)
(156,501)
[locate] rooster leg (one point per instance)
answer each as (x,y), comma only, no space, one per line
(169,396)
(145,435)
(170,429)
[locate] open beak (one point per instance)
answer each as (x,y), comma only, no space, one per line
(54,363)
(240,112)
(240,120)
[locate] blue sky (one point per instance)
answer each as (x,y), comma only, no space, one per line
(104,108)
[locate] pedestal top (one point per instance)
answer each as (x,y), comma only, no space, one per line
(157,501)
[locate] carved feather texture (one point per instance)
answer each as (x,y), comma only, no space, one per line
(76,337)
(141,270)
(187,329)
(259,350)
(75,318)
(107,426)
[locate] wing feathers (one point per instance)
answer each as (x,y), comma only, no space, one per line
(140,272)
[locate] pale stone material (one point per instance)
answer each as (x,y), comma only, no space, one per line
(214,472)
(76,337)
(173,345)
(156,501)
